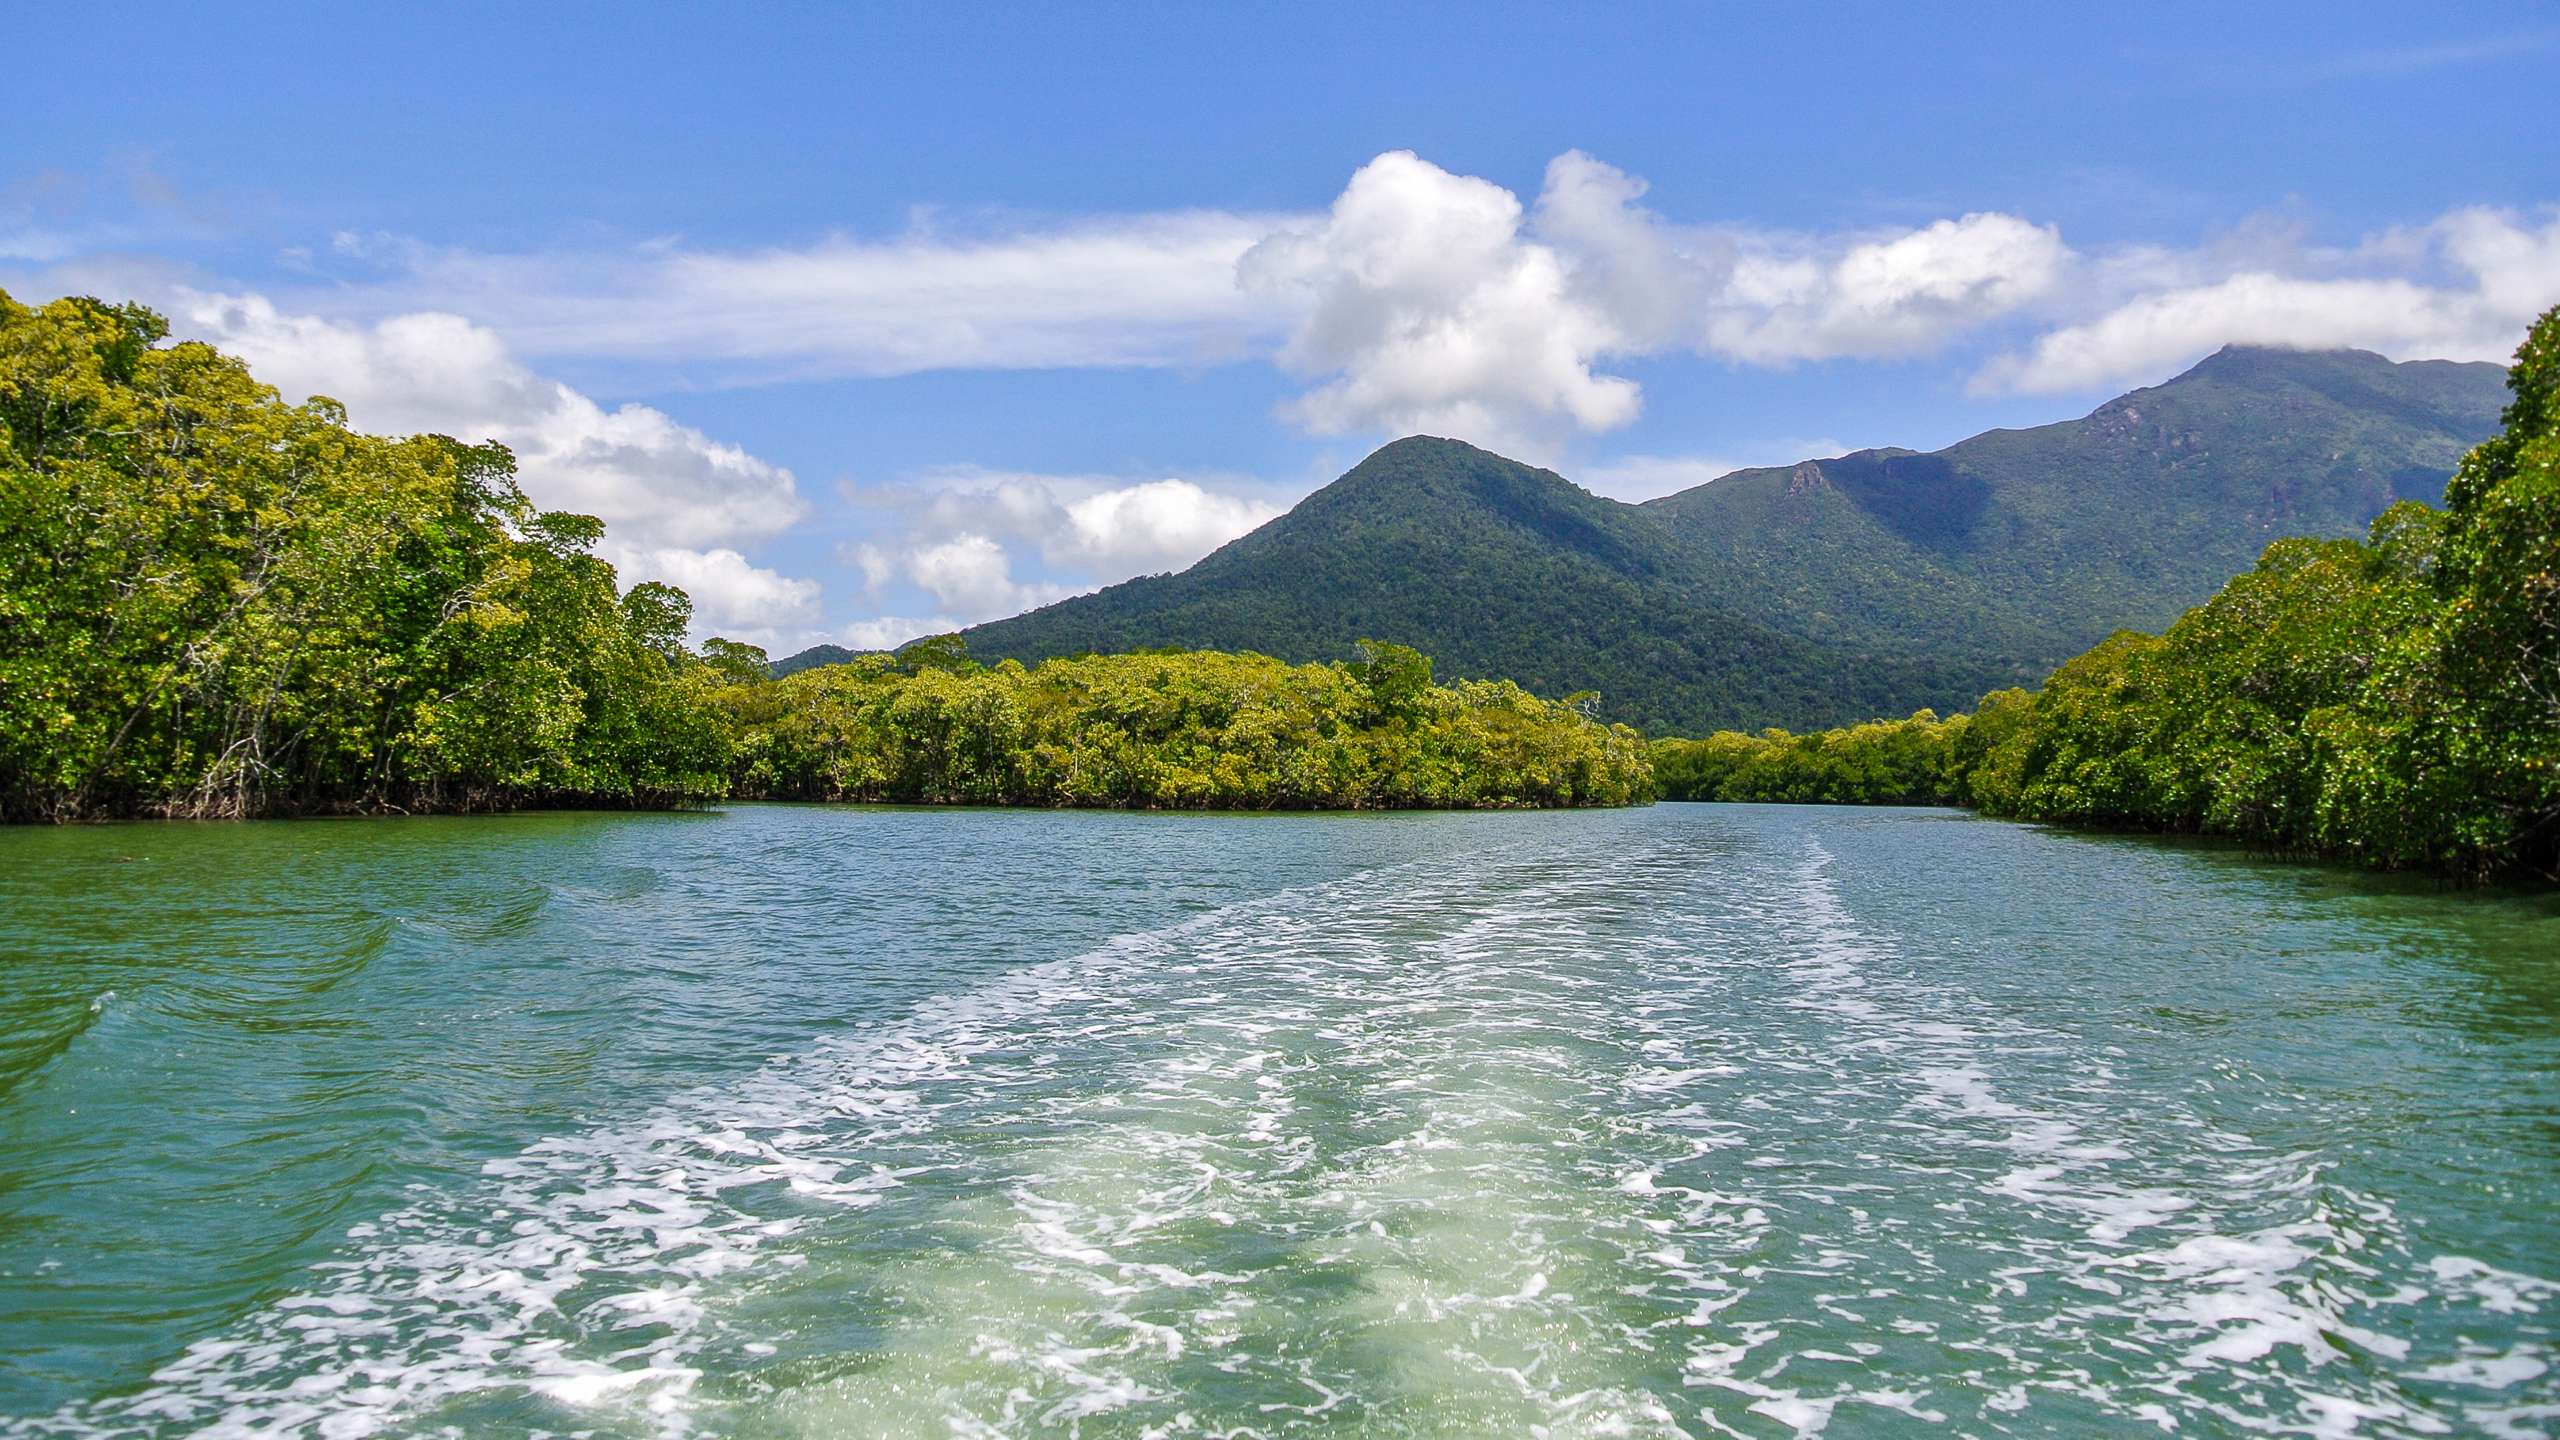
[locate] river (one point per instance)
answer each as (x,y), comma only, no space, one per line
(1689,1120)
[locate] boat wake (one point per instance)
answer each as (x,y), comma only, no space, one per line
(1501,1142)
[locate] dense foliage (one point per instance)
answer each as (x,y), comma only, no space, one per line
(1883,762)
(1173,730)
(1821,593)
(213,603)
(2394,701)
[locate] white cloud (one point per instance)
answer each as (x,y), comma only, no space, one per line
(987,543)
(1438,303)
(1887,296)
(1116,291)
(1421,297)
(1653,279)
(731,596)
(971,575)
(1102,528)
(1423,300)
(2482,276)
(1153,526)
(877,565)
(1417,300)
(674,501)
(888,632)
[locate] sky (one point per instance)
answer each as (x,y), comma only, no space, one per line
(862,323)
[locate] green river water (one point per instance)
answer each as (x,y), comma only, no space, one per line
(1690,1120)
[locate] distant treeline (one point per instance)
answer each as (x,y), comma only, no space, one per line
(1199,729)
(2394,702)
(216,604)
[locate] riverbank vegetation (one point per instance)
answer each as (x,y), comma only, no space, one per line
(216,604)
(2394,701)
(213,603)
(1198,729)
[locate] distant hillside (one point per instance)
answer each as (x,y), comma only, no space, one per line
(1828,591)
(1495,569)
(2028,546)
(811,659)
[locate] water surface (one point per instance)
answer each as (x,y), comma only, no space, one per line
(1696,1120)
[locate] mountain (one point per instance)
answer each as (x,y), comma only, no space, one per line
(1824,592)
(2028,546)
(1493,568)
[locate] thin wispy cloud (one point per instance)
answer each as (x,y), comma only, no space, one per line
(1146,290)
(2420,59)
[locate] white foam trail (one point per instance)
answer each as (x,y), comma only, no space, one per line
(578,1271)
(1499,1143)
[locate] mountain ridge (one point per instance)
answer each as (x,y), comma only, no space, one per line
(1830,590)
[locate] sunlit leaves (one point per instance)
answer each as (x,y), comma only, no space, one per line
(1173,730)
(214,603)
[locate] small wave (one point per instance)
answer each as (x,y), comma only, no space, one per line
(1482,1144)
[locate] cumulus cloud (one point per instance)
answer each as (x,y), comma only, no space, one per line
(674,501)
(2462,288)
(888,632)
(731,595)
(1103,527)
(988,543)
(971,575)
(1420,299)
(1438,302)
(1895,295)
(1433,313)
(1417,299)
(1151,526)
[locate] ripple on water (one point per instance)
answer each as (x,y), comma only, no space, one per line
(1483,1144)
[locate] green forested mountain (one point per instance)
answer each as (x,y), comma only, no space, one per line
(2029,545)
(1829,591)
(812,658)
(1514,572)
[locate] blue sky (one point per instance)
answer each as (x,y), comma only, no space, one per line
(861,322)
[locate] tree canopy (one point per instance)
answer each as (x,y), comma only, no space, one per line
(213,603)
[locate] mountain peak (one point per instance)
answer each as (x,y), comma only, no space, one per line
(2257,362)
(1431,450)
(1437,462)
(1417,442)
(1837,589)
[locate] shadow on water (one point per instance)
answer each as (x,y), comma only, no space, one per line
(2505,938)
